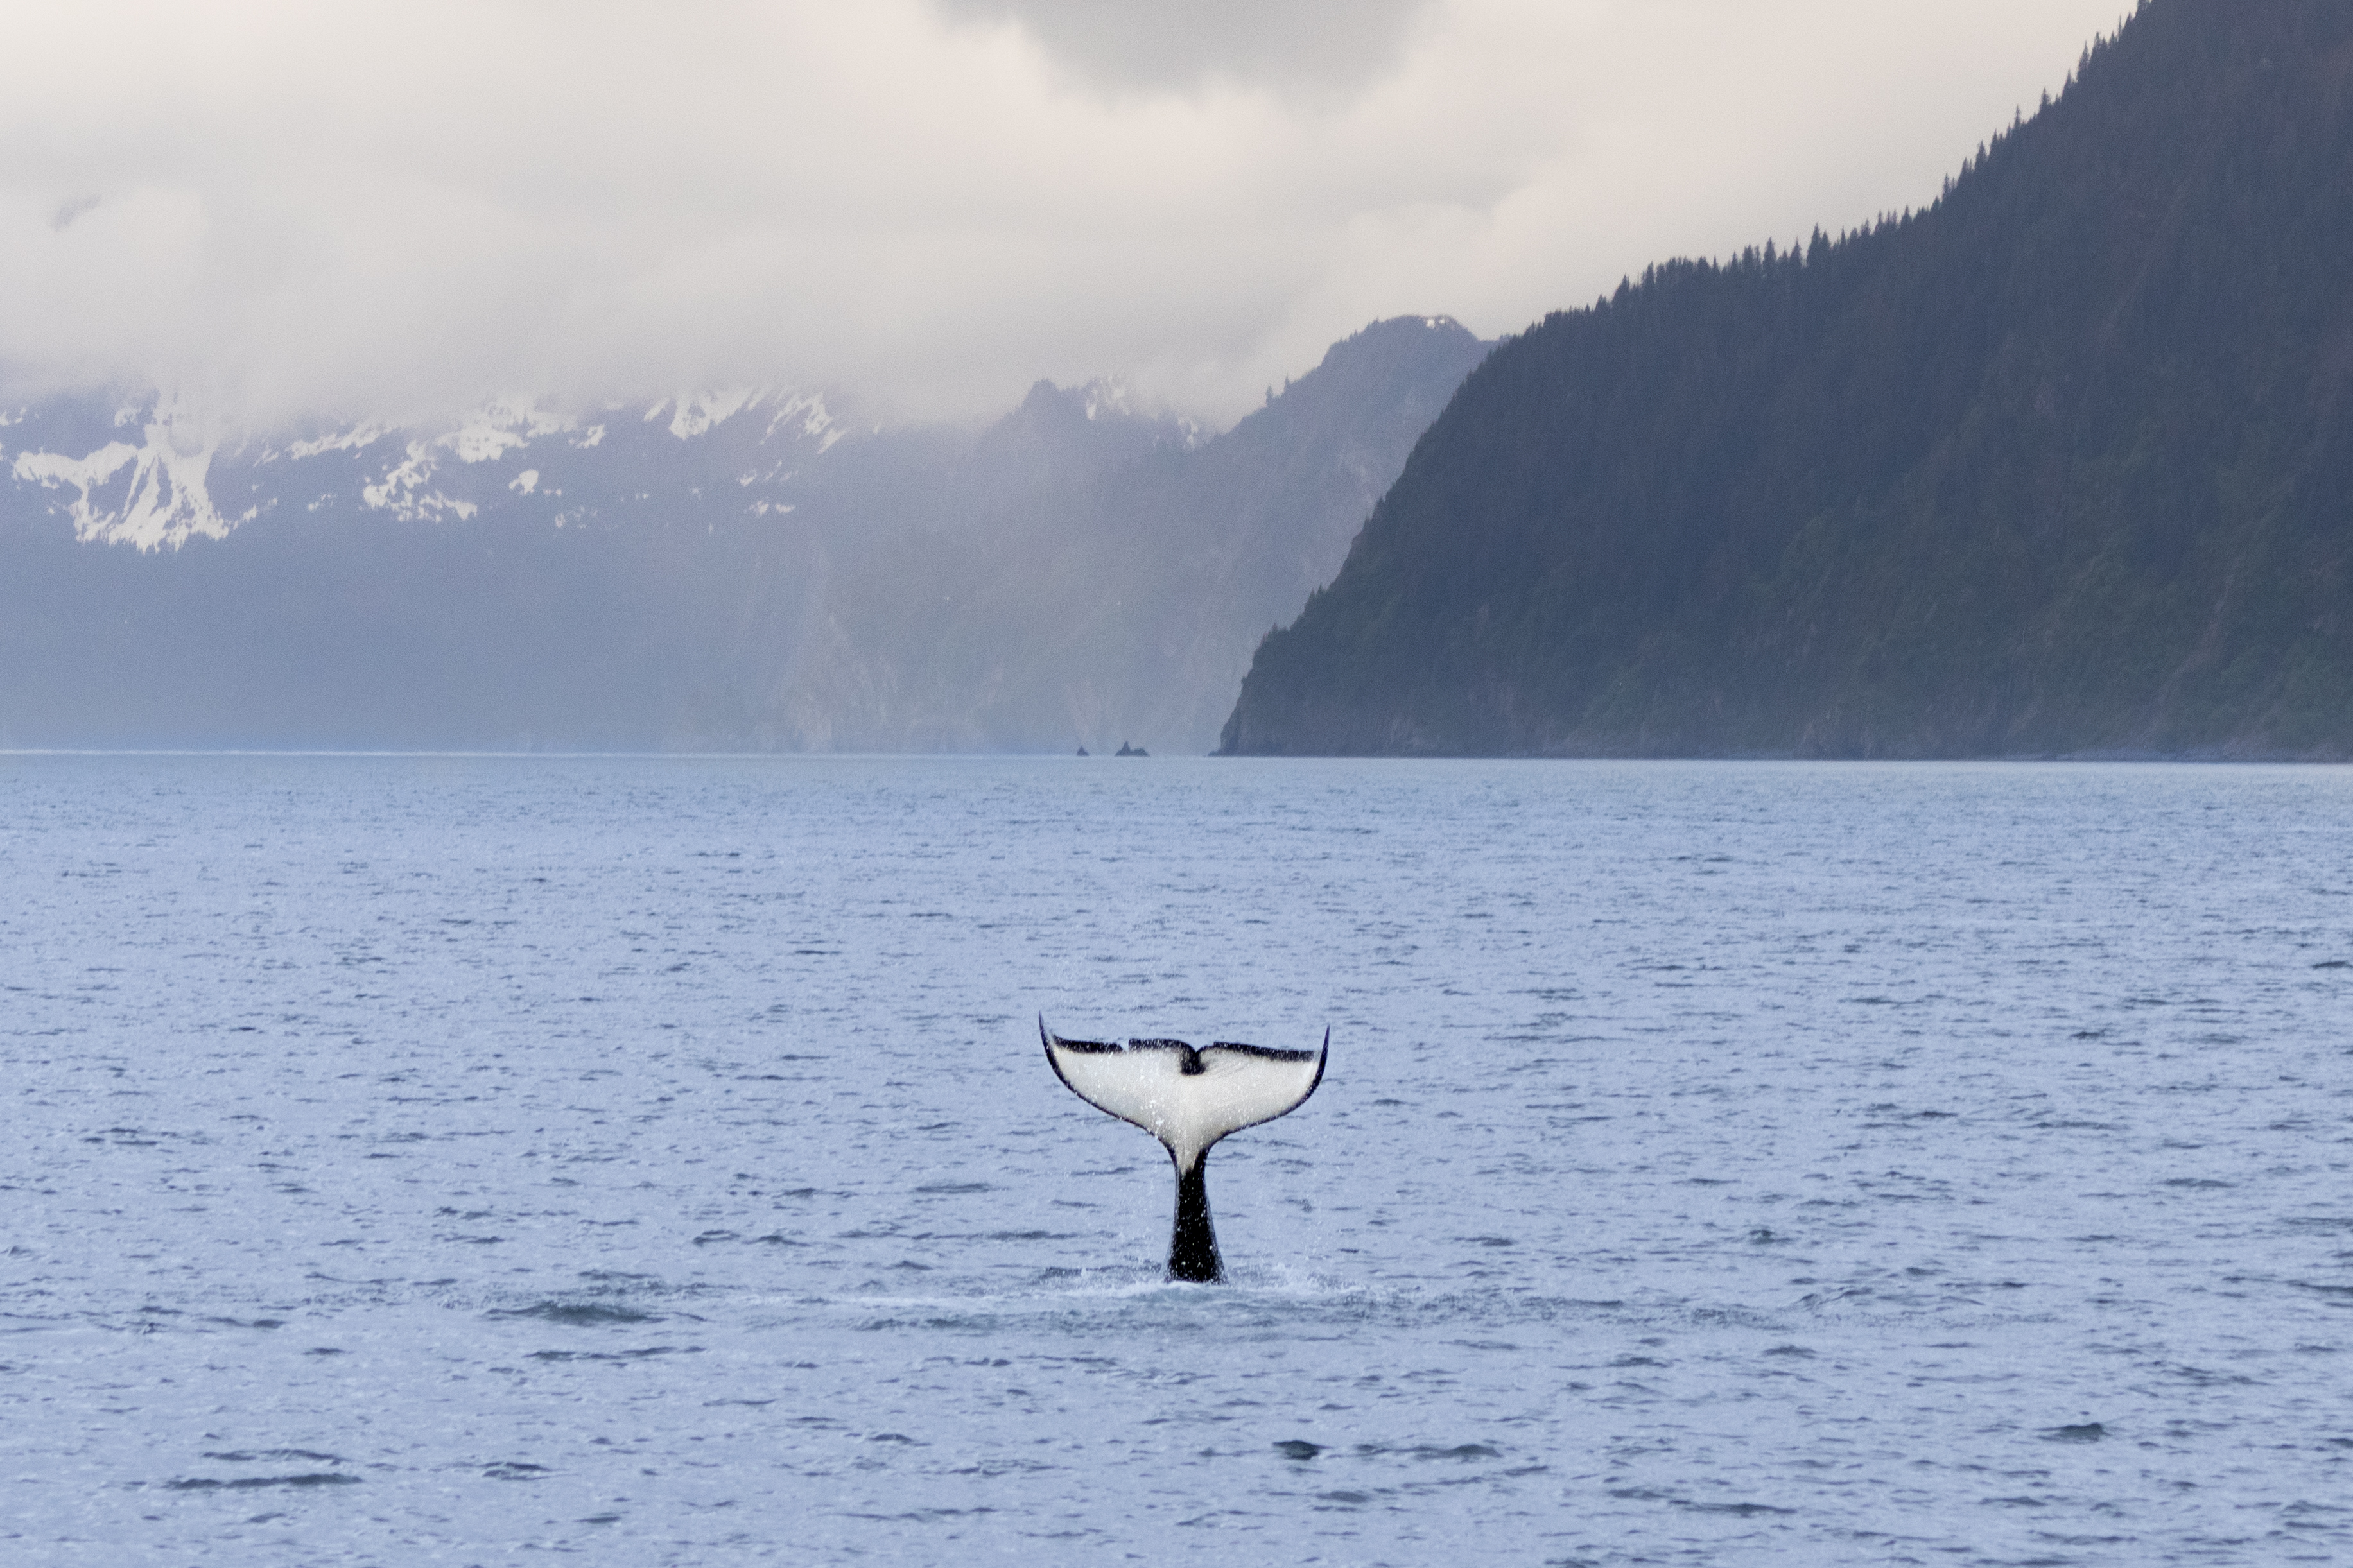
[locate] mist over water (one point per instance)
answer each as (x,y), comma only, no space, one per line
(652,1160)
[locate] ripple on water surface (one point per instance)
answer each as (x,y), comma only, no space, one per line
(651,1159)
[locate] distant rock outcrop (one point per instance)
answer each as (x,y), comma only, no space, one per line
(2061,465)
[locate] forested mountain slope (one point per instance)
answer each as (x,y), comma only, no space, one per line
(2061,465)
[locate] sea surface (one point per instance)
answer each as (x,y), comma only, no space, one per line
(651,1161)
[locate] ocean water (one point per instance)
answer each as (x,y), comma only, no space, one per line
(651,1161)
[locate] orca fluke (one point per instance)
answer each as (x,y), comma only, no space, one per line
(1188,1099)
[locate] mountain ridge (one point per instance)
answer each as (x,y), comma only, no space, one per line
(1148,581)
(725,569)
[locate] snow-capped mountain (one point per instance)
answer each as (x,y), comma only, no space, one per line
(162,475)
(744,567)
(165,476)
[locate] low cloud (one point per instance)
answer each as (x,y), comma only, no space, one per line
(286,209)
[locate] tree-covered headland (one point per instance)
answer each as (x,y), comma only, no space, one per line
(2061,465)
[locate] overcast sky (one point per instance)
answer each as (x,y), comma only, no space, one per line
(288,209)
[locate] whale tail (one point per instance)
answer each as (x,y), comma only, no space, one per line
(1188,1099)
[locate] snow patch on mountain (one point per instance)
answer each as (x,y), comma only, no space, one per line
(501,425)
(1107,399)
(351,440)
(816,421)
(150,495)
(485,434)
(699,411)
(401,491)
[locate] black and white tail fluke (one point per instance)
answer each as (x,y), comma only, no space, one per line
(1187,1098)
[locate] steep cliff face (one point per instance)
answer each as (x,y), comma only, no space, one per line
(1122,603)
(2061,465)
